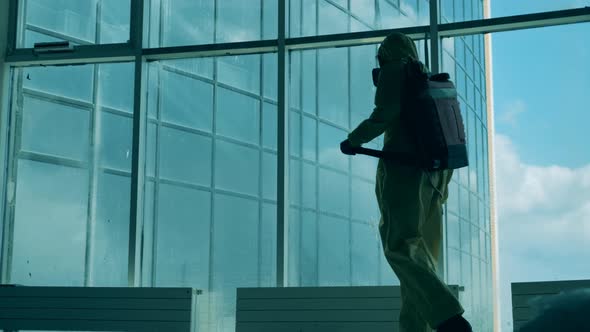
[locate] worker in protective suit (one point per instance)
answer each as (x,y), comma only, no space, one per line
(410,200)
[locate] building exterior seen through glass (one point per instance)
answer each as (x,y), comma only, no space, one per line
(210,194)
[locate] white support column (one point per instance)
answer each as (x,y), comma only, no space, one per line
(492,173)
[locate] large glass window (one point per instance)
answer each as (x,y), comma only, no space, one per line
(460,10)
(463,58)
(172,22)
(321,17)
(211,165)
(333,209)
(79,22)
(210,185)
(71,173)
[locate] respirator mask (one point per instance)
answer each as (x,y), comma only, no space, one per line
(375,73)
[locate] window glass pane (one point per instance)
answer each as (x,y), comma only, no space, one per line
(388,278)
(269,176)
(270,67)
(365,254)
(115,86)
(473,208)
(309,186)
(309,76)
(186,101)
(333,83)
(149,211)
(364,203)
(238,20)
(309,138)
(77,21)
(78,84)
(295,181)
(472,148)
(184,156)
(446,8)
(466,296)
(114,141)
(453,199)
(465,236)
(460,51)
(55,129)
(329,186)
(295,80)
(238,116)
(269,126)
(110,235)
(453,231)
(294,247)
(236,225)
(464,202)
(474,241)
(69,141)
(329,147)
(150,146)
(295,134)
(364,15)
(459,10)
(153,87)
(332,19)
(236,168)
(239,135)
(334,192)
(364,9)
(182,237)
(309,19)
(270,19)
(294,25)
(242,72)
(454,267)
(482,245)
(172,22)
(334,249)
(388,14)
(461,87)
(202,67)
(49,239)
(468,10)
(115,15)
(268,243)
(309,249)
(412,14)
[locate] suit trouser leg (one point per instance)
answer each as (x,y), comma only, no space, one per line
(410,231)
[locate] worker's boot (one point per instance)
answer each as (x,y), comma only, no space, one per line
(455,324)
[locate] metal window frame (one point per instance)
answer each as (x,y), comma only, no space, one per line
(133,51)
(127,51)
(282,149)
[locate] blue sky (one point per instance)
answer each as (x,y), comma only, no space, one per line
(542,112)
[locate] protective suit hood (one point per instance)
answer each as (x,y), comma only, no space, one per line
(397,46)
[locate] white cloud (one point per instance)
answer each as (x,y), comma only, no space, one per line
(543,220)
(510,112)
